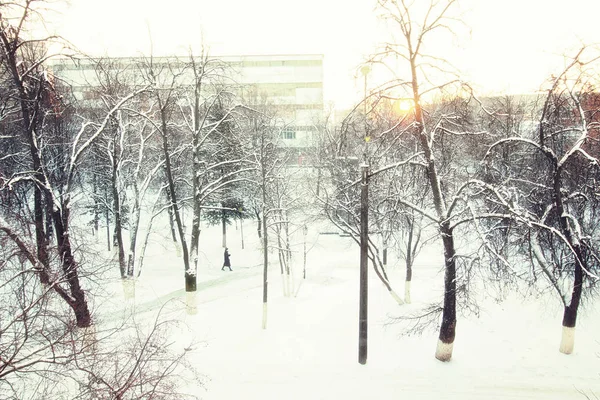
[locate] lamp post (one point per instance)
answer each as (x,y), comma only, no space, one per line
(364,238)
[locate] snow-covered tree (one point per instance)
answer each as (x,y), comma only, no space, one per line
(194,102)
(34,99)
(266,161)
(438,120)
(548,194)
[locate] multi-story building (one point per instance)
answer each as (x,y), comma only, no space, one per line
(292,86)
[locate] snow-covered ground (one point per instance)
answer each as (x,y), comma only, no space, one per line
(310,347)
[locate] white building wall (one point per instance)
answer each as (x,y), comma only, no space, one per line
(309,96)
(291,81)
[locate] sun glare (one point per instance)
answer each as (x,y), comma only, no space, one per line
(404,105)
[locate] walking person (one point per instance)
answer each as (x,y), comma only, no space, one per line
(227,261)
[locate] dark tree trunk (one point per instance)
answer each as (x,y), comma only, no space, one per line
(224,227)
(570,313)
(318,181)
(265,261)
(190,282)
(171,217)
(264,229)
(258,224)
(196,182)
(190,276)
(135,226)
(70,267)
(96,203)
(40,236)
(242,231)
(409,261)
(107,220)
(448,327)
(49,229)
(117,212)
(195,234)
(305,231)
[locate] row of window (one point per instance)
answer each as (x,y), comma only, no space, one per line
(276,63)
(123,62)
(282,89)
(289,132)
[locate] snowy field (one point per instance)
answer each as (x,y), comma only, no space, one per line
(310,347)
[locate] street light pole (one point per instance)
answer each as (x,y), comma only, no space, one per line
(363,307)
(364,288)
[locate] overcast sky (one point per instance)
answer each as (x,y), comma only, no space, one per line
(509,45)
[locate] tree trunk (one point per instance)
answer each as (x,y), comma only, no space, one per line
(282,260)
(304,231)
(147,237)
(107,220)
(133,233)
(195,234)
(409,262)
(567,342)
(258,224)
(190,282)
(264,229)
(117,211)
(570,314)
(40,236)
(224,227)
(318,180)
(49,229)
(288,256)
(448,327)
(408,280)
(171,217)
(190,275)
(379,269)
(96,204)
(70,268)
(242,231)
(265,262)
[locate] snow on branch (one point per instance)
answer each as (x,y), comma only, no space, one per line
(475,217)
(543,149)
(541,259)
(418,209)
(528,220)
(395,165)
(77,152)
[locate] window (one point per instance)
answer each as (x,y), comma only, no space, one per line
(288,133)
(279,63)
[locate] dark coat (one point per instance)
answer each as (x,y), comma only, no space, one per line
(227,261)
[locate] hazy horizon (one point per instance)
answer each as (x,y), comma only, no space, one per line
(513,46)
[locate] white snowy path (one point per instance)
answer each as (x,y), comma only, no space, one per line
(309,349)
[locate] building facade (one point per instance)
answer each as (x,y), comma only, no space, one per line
(290,85)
